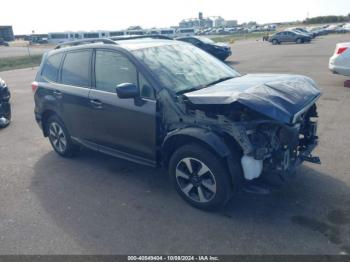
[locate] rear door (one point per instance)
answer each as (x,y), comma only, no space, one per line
(291,37)
(283,37)
(123,127)
(74,88)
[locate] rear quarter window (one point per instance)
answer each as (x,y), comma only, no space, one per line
(51,67)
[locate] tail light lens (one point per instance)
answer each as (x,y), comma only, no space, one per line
(34,86)
(341,50)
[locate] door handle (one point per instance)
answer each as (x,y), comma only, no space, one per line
(96,103)
(57,94)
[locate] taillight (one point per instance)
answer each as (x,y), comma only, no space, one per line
(34,86)
(341,50)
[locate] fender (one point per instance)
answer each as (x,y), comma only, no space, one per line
(42,115)
(206,136)
(214,142)
(46,106)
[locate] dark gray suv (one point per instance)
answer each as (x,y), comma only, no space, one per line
(168,103)
(290,36)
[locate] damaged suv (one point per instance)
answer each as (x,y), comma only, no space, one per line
(5,106)
(168,103)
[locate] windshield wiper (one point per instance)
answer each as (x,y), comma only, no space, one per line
(201,87)
(181,92)
(218,81)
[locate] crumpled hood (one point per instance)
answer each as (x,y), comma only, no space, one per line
(280,97)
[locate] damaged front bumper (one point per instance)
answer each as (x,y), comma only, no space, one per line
(280,149)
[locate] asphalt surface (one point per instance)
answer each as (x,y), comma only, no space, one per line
(95,204)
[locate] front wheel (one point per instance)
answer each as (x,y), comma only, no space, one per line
(200,177)
(274,42)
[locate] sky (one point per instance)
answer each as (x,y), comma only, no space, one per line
(45,16)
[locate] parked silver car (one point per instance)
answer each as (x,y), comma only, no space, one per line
(339,63)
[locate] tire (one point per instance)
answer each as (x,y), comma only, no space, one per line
(274,42)
(60,138)
(299,41)
(5,114)
(200,177)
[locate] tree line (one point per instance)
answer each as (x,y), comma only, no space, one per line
(327,19)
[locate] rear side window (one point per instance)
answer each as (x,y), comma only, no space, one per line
(112,69)
(76,69)
(51,67)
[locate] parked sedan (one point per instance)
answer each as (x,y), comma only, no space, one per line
(339,63)
(219,50)
(303,31)
(289,36)
(2,42)
(5,107)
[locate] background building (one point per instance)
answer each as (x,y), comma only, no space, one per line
(6,33)
(189,23)
(207,22)
(219,21)
(231,23)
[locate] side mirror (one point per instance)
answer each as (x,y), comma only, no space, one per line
(127,90)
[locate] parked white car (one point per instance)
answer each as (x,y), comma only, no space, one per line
(339,63)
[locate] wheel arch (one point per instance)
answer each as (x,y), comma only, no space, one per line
(223,145)
(45,117)
(207,138)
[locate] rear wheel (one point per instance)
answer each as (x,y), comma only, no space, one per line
(200,177)
(60,138)
(300,41)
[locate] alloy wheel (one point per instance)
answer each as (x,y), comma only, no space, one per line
(195,180)
(57,137)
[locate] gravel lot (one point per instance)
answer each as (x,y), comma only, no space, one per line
(95,204)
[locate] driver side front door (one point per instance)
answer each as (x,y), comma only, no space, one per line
(122,127)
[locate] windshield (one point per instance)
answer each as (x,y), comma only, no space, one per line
(206,40)
(181,67)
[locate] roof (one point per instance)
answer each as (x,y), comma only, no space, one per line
(136,44)
(130,45)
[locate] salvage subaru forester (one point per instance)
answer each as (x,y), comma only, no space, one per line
(167,103)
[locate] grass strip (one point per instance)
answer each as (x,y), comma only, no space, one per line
(10,63)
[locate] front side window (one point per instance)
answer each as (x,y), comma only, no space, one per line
(112,69)
(181,67)
(146,90)
(76,68)
(51,67)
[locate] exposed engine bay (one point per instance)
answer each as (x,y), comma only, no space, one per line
(266,144)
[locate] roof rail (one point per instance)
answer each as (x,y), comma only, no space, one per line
(131,37)
(86,41)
